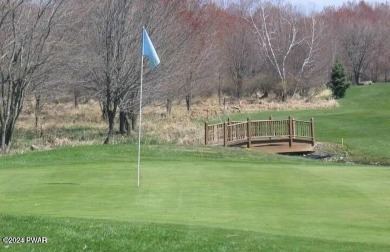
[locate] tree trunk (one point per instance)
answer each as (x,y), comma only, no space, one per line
(239,82)
(3,146)
(189,94)
(219,90)
(6,136)
(9,135)
(37,110)
(357,78)
(169,107)
(133,116)
(76,99)
(123,123)
(111,123)
(103,108)
(284,96)
(188,102)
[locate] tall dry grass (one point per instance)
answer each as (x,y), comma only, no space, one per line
(61,124)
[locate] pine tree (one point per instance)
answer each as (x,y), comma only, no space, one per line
(339,82)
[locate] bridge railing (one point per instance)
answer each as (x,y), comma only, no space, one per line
(267,131)
(214,134)
(304,130)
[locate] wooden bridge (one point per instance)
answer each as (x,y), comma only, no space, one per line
(276,136)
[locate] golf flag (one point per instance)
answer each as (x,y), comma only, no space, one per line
(149,51)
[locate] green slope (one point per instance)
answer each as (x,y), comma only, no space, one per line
(362,120)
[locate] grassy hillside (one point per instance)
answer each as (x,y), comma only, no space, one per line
(362,120)
(191,199)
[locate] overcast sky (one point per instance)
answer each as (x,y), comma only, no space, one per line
(320,4)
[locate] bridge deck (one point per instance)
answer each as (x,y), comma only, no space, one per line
(282,147)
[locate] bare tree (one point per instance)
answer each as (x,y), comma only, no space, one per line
(30,32)
(201,58)
(109,59)
(378,61)
(360,39)
(239,52)
(283,34)
(193,59)
(112,70)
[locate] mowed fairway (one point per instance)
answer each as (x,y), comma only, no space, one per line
(193,198)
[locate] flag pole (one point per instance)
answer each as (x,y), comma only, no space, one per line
(140,113)
(150,52)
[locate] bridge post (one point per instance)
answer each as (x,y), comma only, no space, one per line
(290,131)
(205,133)
(224,134)
(229,130)
(248,132)
(293,128)
(312,130)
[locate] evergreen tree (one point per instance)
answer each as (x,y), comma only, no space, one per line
(339,82)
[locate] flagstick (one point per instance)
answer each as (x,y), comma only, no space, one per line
(140,121)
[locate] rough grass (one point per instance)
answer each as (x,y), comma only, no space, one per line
(72,234)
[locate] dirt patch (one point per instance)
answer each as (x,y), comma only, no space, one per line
(329,152)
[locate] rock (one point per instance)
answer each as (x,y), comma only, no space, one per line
(34,147)
(365,83)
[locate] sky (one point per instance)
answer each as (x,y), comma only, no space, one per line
(311,5)
(318,5)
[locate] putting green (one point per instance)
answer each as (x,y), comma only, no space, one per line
(218,188)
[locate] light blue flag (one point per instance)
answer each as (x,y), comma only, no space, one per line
(149,51)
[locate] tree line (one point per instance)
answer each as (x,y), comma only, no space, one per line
(57,49)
